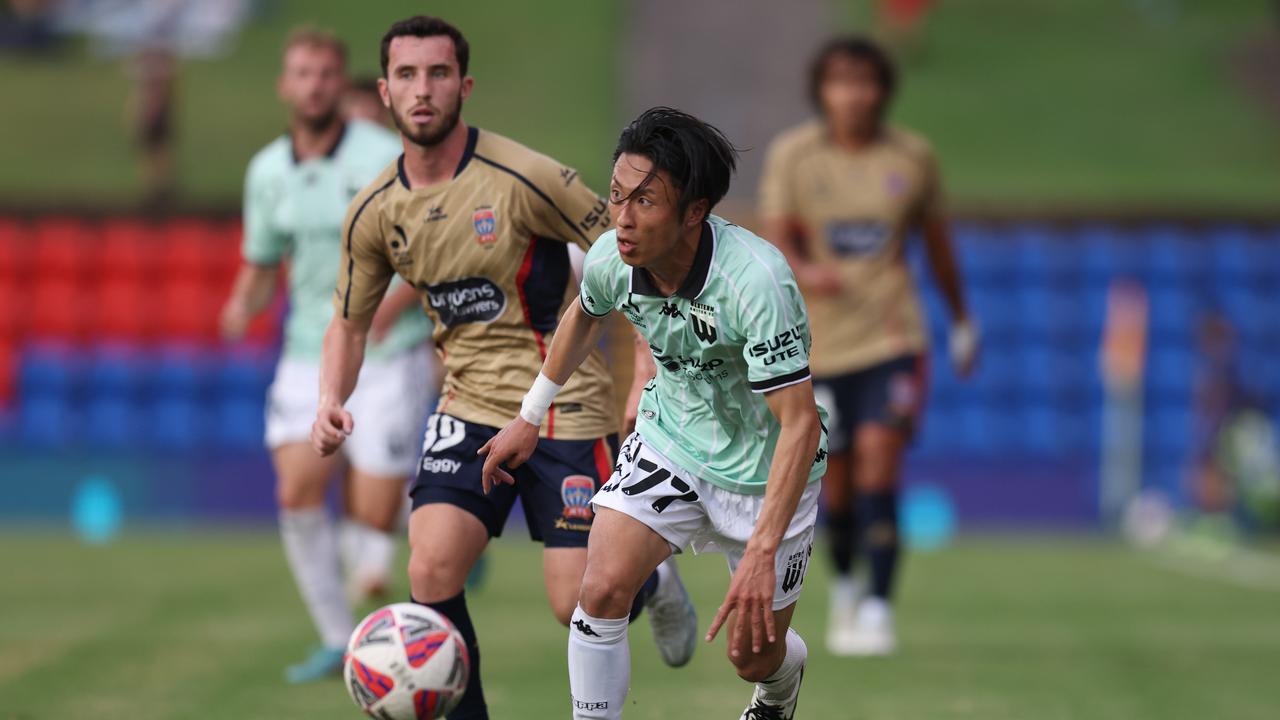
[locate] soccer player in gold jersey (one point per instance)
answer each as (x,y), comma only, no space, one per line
(481,225)
(840,196)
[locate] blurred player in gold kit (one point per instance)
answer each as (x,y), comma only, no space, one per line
(839,196)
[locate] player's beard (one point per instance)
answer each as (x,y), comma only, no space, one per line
(428,137)
(320,122)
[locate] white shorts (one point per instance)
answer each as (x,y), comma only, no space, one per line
(390,404)
(688,511)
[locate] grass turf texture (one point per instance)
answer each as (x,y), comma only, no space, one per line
(200,625)
(1055,102)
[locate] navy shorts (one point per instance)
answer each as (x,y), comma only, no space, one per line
(890,393)
(555,485)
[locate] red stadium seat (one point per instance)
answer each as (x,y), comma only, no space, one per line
(15,251)
(188,311)
(191,250)
(57,309)
(8,372)
(123,309)
(13,312)
(64,247)
(129,250)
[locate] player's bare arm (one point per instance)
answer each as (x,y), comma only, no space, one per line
(942,264)
(252,292)
(340,361)
(750,593)
(575,337)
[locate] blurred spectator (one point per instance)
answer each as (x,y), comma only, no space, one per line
(27,26)
(153,35)
(363,102)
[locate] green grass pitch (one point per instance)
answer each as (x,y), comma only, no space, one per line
(199,624)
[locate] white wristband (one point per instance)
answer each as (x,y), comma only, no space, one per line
(538,400)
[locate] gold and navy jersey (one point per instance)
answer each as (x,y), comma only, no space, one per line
(487,252)
(855,210)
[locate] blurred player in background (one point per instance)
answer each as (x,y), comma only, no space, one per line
(728,448)
(839,196)
(362,102)
(480,225)
(295,192)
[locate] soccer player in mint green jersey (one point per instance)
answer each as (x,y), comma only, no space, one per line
(296,194)
(729,443)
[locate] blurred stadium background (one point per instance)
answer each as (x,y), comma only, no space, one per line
(1091,149)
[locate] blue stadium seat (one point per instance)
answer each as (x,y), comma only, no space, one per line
(245,373)
(176,423)
(239,423)
(1176,255)
(47,368)
(114,422)
(984,255)
(115,371)
(182,371)
(47,422)
(1171,430)
(1252,310)
(997,376)
(1045,254)
(1174,311)
(1110,253)
(1171,373)
(997,310)
(1238,254)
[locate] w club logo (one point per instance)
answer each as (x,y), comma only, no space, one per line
(702,318)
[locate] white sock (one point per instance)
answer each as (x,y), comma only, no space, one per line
(377,553)
(349,542)
(311,547)
(599,666)
(779,686)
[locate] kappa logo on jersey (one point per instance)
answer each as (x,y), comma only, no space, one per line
(670,309)
(436,214)
(793,576)
(467,300)
(576,491)
(703,320)
(486,225)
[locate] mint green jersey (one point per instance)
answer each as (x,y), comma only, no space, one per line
(735,329)
(294,210)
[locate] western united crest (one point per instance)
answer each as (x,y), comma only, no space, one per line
(702,318)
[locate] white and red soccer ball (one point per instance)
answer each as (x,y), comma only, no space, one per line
(406,662)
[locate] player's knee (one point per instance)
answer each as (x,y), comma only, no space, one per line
(295,496)
(435,576)
(564,611)
(604,596)
(754,667)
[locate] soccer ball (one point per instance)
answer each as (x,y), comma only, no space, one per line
(406,662)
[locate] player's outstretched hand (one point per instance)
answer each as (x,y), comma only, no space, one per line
(750,600)
(332,426)
(511,447)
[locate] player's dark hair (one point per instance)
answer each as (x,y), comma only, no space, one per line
(697,156)
(423,26)
(860,49)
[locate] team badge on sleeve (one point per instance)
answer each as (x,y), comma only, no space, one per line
(486,225)
(576,490)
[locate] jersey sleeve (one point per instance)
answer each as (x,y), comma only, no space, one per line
(775,326)
(597,291)
(365,271)
(262,243)
(777,199)
(560,206)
